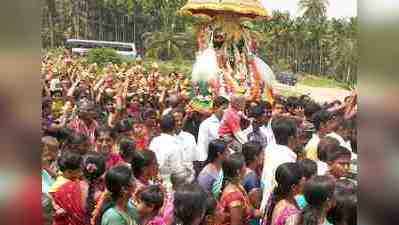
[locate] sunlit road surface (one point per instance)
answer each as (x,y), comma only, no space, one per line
(319,94)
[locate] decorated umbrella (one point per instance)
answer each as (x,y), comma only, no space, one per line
(218,40)
(249,9)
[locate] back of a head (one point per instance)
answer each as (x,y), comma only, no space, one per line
(140,160)
(251,150)
(116,178)
(256,111)
(319,117)
(293,102)
(283,128)
(232,165)
(152,195)
(93,166)
(266,105)
(336,153)
(287,175)
(345,210)
(189,203)
(325,146)
(215,148)
(167,123)
(309,167)
(182,177)
(220,101)
(126,147)
(69,160)
(318,190)
(311,108)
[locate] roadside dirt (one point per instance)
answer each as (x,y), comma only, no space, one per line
(319,94)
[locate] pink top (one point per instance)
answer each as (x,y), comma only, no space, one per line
(285,214)
(113,160)
(230,122)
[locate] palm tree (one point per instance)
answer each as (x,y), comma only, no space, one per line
(313,9)
(168,45)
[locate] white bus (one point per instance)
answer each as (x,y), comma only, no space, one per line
(81,47)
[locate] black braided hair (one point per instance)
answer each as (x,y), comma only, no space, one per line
(92,174)
(317,191)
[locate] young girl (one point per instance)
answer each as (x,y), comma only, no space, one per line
(282,208)
(127,148)
(309,168)
(145,168)
(319,193)
(69,165)
(113,208)
(77,198)
(149,204)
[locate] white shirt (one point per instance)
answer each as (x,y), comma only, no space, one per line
(208,131)
(343,143)
(187,142)
(275,156)
(268,132)
(322,168)
(169,155)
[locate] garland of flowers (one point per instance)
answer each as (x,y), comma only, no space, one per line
(255,93)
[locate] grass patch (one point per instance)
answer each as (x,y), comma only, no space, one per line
(287,93)
(315,81)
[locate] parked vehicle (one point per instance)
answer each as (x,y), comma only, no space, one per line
(287,78)
(81,47)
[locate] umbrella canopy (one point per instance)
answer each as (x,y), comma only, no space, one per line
(249,9)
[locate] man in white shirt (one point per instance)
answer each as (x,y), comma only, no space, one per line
(285,132)
(321,120)
(168,150)
(185,139)
(208,131)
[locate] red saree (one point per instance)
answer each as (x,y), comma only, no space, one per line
(69,209)
(235,198)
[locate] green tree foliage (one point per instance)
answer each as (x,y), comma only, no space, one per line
(310,43)
(103,56)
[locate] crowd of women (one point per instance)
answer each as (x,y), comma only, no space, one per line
(121,147)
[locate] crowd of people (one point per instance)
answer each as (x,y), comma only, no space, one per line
(121,146)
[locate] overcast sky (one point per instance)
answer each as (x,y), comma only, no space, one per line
(336,8)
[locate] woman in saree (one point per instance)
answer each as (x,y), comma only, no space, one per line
(211,176)
(234,204)
(75,200)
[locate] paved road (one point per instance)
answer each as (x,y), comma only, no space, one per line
(319,94)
